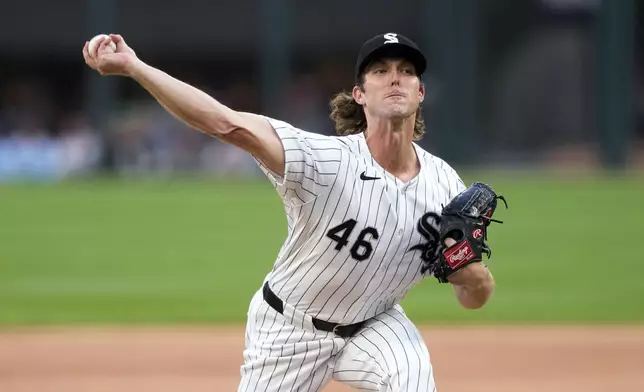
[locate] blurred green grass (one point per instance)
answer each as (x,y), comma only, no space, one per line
(194,251)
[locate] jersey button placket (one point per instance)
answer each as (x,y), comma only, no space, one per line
(402,207)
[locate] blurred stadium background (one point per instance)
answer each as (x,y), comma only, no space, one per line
(112,212)
(536,82)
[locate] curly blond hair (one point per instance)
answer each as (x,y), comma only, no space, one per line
(349,117)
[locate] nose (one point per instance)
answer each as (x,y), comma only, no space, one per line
(395,77)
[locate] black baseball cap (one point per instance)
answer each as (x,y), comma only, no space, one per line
(390,45)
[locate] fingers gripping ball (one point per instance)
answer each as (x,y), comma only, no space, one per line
(94,43)
(465,219)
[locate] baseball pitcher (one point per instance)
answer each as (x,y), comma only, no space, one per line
(369,213)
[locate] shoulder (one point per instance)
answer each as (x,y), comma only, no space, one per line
(435,162)
(287,131)
(442,172)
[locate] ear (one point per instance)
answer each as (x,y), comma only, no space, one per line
(421,92)
(358,95)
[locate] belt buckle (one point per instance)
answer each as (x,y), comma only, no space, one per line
(335,329)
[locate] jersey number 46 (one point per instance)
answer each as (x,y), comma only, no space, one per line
(361,248)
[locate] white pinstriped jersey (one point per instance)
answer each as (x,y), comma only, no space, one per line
(346,257)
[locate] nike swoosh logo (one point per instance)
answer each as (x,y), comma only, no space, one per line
(364,177)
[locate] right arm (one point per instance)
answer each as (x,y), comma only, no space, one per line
(250,132)
(300,164)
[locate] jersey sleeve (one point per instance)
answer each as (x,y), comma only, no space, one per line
(449,179)
(312,162)
(456,183)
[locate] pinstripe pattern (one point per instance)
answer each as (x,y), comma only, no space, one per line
(281,356)
(388,355)
(345,259)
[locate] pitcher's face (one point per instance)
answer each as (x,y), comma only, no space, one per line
(390,89)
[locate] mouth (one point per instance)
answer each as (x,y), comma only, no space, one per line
(392,95)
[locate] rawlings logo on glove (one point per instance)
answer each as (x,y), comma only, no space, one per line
(465,220)
(458,255)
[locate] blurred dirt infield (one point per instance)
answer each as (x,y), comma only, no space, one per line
(485,359)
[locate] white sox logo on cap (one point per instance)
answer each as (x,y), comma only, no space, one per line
(391,38)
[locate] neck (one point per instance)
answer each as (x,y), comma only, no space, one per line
(390,144)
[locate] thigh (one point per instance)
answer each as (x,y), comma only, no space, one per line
(282,357)
(389,354)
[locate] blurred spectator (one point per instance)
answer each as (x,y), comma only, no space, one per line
(81,145)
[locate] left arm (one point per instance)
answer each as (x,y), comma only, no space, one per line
(473,285)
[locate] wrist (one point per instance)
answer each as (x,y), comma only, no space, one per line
(135,68)
(473,274)
(473,285)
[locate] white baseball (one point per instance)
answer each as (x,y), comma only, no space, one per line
(93,43)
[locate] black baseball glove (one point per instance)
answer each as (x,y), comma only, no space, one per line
(465,219)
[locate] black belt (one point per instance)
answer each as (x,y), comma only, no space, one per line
(343,331)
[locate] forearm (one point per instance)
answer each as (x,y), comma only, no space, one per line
(187,103)
(474,287)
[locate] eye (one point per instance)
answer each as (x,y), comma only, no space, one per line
(379,70)
(407,71)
